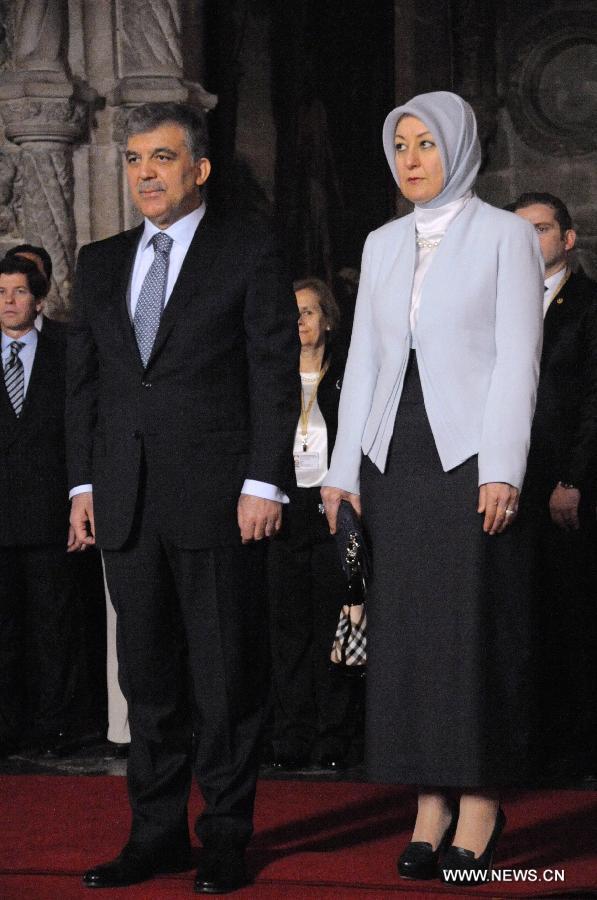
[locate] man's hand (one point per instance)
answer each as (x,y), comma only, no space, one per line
(258,518)
(331,497)
(82,521)
(499,502)
(563,507)
(72,544)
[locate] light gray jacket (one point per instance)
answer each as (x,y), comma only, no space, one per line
(478,342)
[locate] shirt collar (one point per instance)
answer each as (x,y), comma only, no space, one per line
(181,231)
(435,221)
(552,282)
(29,338)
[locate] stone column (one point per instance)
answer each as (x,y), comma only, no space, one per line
(45,115)
(45,132)
(474,54)
(151,67)
(41,37)
(150,60)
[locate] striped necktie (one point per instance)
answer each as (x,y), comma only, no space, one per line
(150,304)
(14,377)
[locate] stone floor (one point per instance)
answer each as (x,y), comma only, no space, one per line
(92,755)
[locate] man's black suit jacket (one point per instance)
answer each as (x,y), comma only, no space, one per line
(33,482)
(564,434)
(218,401)
(53,329)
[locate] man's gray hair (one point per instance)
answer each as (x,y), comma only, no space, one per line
(153,115)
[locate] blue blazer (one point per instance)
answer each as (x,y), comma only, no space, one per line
(478,342)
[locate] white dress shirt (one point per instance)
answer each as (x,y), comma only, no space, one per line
(551,287)
(182,233)
(431,225)
(26,355)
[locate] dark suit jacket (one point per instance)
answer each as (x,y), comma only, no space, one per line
(328,396)
(564,435)
(33,483)
(218,402)
(53,329)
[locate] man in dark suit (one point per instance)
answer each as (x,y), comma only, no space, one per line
(36,587)
(561,487)
(182,404)
(43,261)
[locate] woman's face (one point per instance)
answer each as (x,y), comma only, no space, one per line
(311,323)
(418,161)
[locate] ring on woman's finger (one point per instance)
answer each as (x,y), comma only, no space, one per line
(509,512)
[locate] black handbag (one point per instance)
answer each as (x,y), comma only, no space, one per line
(349,650)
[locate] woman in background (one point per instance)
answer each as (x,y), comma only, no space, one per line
(314,718)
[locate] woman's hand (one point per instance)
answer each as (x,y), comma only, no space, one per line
(331,497)
(499,502)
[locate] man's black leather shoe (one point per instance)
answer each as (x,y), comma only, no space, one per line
(117,751)
(129,868)
(52,745)
(289,763)
(332,762)
(221,870)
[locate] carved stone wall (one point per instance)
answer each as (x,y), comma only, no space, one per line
(529,69)
(69,72)
(546,127)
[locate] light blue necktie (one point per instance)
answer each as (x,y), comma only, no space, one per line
(14,377)
(150,304)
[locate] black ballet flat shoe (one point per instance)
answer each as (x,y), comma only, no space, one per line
(420,861)
(462,868)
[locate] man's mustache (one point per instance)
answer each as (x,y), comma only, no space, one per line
(149,186)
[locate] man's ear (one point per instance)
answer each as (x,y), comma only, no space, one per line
(569,239)
(202,170)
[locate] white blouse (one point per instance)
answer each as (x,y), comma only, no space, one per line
(431,225)
(311,465)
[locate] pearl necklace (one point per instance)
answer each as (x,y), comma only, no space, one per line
(426,244)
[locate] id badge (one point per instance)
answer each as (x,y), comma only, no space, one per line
(306,460)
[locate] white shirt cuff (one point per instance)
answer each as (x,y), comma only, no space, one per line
(79,489)
(264,490)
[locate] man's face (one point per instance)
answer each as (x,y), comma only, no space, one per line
(163,177)
(554,244)
(18,306)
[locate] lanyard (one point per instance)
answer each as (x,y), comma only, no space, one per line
(306,410)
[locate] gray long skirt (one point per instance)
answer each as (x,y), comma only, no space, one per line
(448,619)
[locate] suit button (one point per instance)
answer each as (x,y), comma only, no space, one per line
(137,435)
(146,384)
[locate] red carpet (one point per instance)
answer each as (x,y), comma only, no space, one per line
(330,841)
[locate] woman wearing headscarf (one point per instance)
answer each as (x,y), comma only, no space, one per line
(434,424)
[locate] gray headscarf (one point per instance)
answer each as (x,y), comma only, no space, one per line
(452,123)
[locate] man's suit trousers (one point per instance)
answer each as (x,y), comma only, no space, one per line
(190,634)
(37,648)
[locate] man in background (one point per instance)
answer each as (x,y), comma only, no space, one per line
(41,258)
(561,487)
(37,599)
